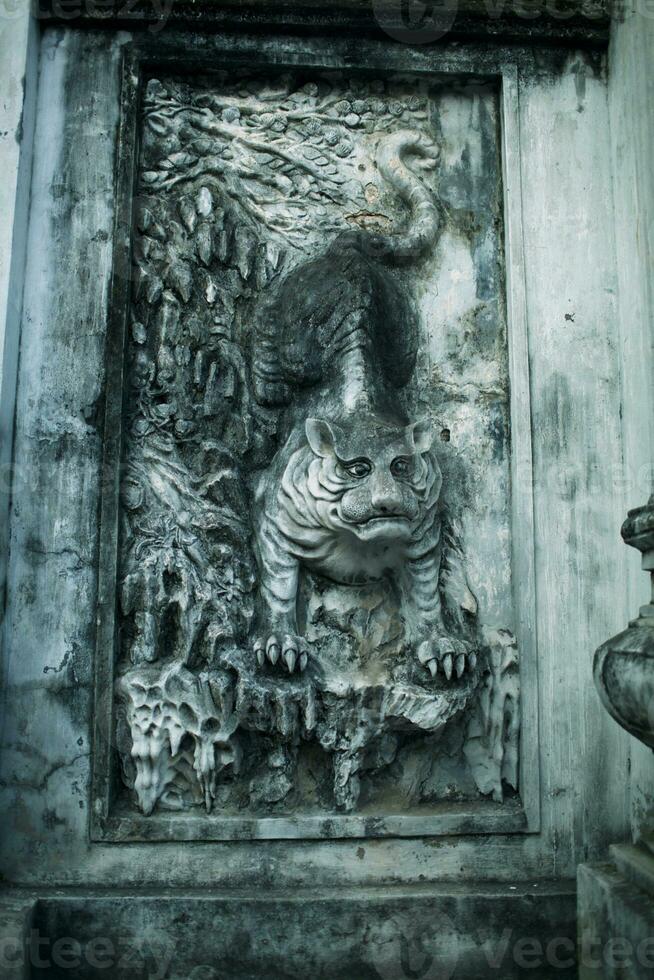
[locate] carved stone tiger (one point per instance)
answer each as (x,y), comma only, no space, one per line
(355,502)
(352,494)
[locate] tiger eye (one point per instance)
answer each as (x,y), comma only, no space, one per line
(400,467)
(359,469)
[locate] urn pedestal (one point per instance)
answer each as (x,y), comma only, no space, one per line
(616,900)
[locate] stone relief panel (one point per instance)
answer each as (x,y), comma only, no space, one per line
(315,598)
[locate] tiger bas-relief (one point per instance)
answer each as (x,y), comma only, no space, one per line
(353,494)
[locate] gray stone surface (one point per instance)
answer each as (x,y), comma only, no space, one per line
(477,865)
(391,934)
(48,706)
(16,923)
(615,910)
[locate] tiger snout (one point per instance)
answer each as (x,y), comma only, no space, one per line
(379,500)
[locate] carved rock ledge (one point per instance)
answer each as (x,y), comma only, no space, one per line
(181,734)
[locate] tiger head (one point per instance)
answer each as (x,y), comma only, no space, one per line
(379,479)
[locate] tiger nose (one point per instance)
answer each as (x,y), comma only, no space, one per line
(385,497)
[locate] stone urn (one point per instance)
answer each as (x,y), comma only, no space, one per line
(615,899)
(624,665)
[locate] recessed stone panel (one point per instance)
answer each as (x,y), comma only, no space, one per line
(311,554)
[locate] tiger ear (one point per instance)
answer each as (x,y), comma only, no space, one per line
(320,437)
(422,434)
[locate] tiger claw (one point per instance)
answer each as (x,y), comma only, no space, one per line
(272,650)
(453,656)
(289,652)
(425,653)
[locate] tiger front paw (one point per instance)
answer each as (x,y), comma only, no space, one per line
(453,656)
(286,649)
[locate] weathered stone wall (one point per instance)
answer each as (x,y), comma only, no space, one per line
(576,400)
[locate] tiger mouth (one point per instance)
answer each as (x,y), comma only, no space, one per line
(385,517)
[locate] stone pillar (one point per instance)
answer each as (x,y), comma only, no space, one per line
(616,899)
(19,59)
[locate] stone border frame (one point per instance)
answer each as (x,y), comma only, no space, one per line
(184,53)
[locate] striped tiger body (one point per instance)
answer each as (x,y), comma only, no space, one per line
(353,494)
(354,503)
